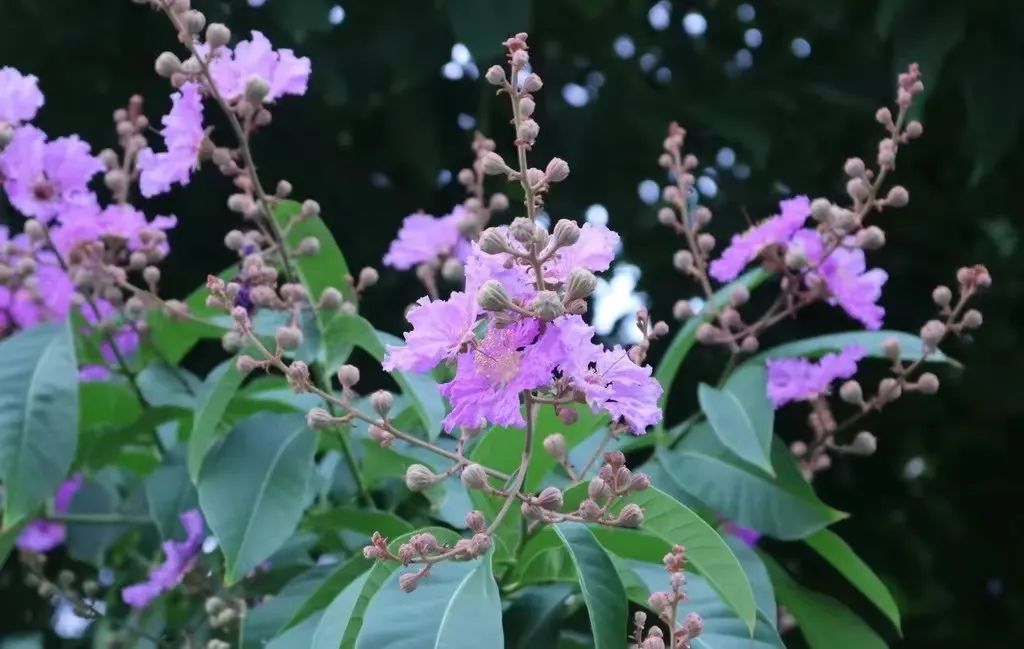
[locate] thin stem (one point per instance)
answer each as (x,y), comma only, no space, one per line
(524,463)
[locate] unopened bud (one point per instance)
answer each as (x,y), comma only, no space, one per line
(532,83)
(598,490)
(581,284)
(683,260)
(750,344)
(368,277)
(498,202)
(6,134)
(246,364)
(795,258)
(864,443)
(288,337)
(382,400)
(566,233)
(310,209)
(972,319)
(550,498)
(639,482)
(659,329)
(528,130)
(914,130)
(821,209)
(928,383)
(547,305)
(408,581)
(630,516)
(706,242)
(495,75)
(555,446)
(682,310)
(891,348)
(569,416)
(889,389)
(526,107)
(476,521)
(284,189)
(871,238)
(331,299)
(932,332)
(419,477)
(348,376)
(381,435)
(708,334)
(590,510)
(493,296)
(854,167)
(474,476)
(851,392)
(217,35)
(318,419)
(167,64)
(942,296)
(308,247)
(898,196)
(739,296)
(494,164)
(883,116)
(151,274)
(557,170)
(256,89)
(494,241)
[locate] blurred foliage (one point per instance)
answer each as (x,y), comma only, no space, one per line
(937,511)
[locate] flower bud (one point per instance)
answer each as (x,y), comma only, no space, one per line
(682,310)
(864,443)
(821,209)
(639,482)
(382,400)
(381,435)
(708,334)
(750,344)
(550,498)
(795,258)
(368,277)
(310,209)
(476,521)
(528,131)
(348,376)
(474,476)
(739,296)
(567,416)
(693,625)
(494,164)
(851,392)
(308,247)
(630,516)
(598,490)
(581,284)
(891,348)
(898,196)
(256,89)
(889,389)
(659,329)
(667,217)
(871,238)
(556,171)
(167,64)
(854,167)
(495,75)
(932,332)
(532,83)
(942,296)
(151,274)
(683,260)
(914,130)
(566,233)
(972,319)
(494,241)
(194,21)
(590,510)
(217,35)
(701,216)
(706,242)
(246,364)
(555,446)
(547,305)
(883,116)
(408,581)
(331,299)
(284,189)
(928,383)
(493,296)
(526,107)
(419,477)
(498,202)
(318,419)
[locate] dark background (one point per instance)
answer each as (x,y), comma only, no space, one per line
(938,511)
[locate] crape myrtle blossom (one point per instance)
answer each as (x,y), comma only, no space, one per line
(425,239)
(179,558)
(775,230)
(232,69)
(183,136)
(20,97)
(119,226)
(42,535)
(799,379)
(44,177)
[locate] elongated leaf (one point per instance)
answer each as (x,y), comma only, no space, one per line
(456,606)
(169,492)
(107,405)
(268,619)
(743,420)
(163,385)
(38,415)
(252,487)
(824,622)
(686,337)
(357,520)
(325,269)
(344,331)
(327,590)
(702,469)
(602,590)
(836,551)
(533,619)
(214,396)
(911,346)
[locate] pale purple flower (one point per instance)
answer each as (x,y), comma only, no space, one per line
(121,223)
(50,300)
(424,238)
(515,277)
(799,379)
(490,376)
(595,250)
(775,230)
(440,329)
(608,378)
(183,135)
(232,69)
(850,285)
(42,178)
(747,535)
(42,535)
(20,97)
(179,557)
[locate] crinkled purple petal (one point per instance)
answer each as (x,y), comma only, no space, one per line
(20,97)
(799,379)
(745,247)
(183,136)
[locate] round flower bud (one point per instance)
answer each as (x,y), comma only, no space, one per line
(310,209)
(557,170)
(526,107)
(532,83)
(368,277)
(659,329)
(567,416)
(234,240)
(851,392)
(331,299)
(942,296)
(639,482)
(898,196)
(476,521)
(883,116)
(466,177)
(702,216)
(555,446)
(682,310)
(382,400)
(891,347)
(498,202)
(382,436)
(854,167)
(419,477)
(151,274)
(495,75)
(231,341)
(932,332)
(167,64)
(693,625)
(821,209)
(928,383)
(494,164)
(284,189)
(408,581)
(550,498)
(308,247)
(566,233)
(590,510)
(750,345)
(528,130)
(683,260)
(194,21)
(864,443)
(547,305)
(494,241)
(739,296)
(493,296)
(795,258)
(708,334)
(889,389)
(246,364)
(256,89)
(474,476)
(522,230)
(318,419)
(288,337)
(217,35)
(581,284)
(871,238)
(348,375)
(706,242)
(453,270)
(598,490)
(972,319)
(667,217)
(914,130)
(631,516)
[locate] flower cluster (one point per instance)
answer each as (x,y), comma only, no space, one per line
(179,558)
(43,535)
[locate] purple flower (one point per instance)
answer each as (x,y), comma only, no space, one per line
(42,178)
(749,536)
(595,250)
(20,97)
(775,230)
(490,376)
(440,329)
(179,557)
(798,379)
(122,223)
(23,307)
(42,535)
(183,135)
(516,278)
(231,70)
(423,238)
(608,379)
(850,285)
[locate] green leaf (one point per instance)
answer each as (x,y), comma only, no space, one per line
(686,337)
(455,606)
(837,552)
(325,269)
(602,590)
(252,487)
(163,385)
(358,520)
(742,419)
(332,628)
(824,622)
(534,617)
(107,405)
(270,618)
(701,468)
(212,402)
(328,589)
(97,495)
(8,537)
(175,337)
(421,389)
(911,347)
(169,492)
(38,415)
